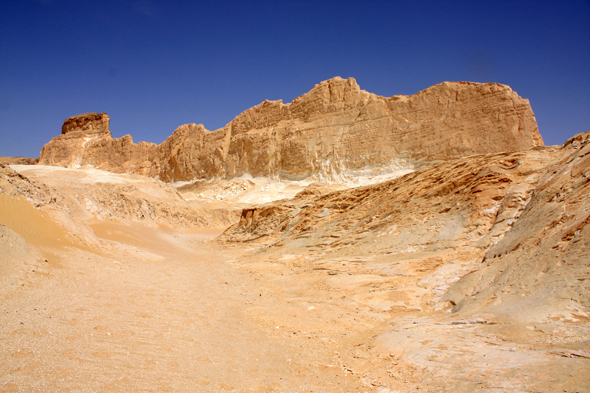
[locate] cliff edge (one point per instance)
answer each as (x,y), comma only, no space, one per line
(333,128)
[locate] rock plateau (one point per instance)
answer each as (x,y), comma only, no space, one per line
(333,129)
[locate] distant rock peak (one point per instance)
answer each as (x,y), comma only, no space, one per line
(89,123)
(334,122)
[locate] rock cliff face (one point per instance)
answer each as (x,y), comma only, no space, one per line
(86,139)
(69,148)
(331,129)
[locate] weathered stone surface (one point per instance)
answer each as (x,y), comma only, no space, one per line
(121,155)
(333,128)
(69,148)
(539,270)
(465,202)
(19,160)
(340,124)
(86,140)
(483,258)
(14,184)
(88,124)
(191,152)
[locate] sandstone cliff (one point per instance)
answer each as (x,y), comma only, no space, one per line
(87,140)
(334,128)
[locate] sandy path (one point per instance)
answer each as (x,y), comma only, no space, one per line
(163,312)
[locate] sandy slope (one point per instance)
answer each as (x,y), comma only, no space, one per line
(119,283)
(477,268)
(138,307)
(161,311)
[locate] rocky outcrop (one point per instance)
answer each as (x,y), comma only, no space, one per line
(69,148)
(192,152)
(519,222)
(19,160)
(338,126)
(121,155)
(484,258)
(86,140)
(539,270)
(468,202)
(87,124)
(331,129)
(14,185)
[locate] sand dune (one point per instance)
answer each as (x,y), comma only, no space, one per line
(34,225)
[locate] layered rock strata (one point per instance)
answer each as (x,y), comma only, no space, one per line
(331,129)
(517,221)
(484,258)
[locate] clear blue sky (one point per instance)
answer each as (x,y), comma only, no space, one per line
(153,65)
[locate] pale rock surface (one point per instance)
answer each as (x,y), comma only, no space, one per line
(96,195)
(16,185)
(334,128)
(80,198)
(474,271)
(540,270)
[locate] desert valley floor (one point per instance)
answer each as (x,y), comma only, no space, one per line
(124,283)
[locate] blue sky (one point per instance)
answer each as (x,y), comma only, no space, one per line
(153,65)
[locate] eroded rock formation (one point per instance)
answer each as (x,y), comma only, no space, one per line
(486,256)
(331,129)
(539,270)
(87,140)
(19,160)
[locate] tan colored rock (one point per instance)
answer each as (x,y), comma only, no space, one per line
(465,202)
(19,160)
(334,128)
(540,269)
(69,148)
(337,126)
(191,152)
(87,140)
(88,124)
(121,155)
(91,194)
(477,268)
(14,184)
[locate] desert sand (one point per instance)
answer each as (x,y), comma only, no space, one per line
(144,308)
(461,272)
(107,295)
